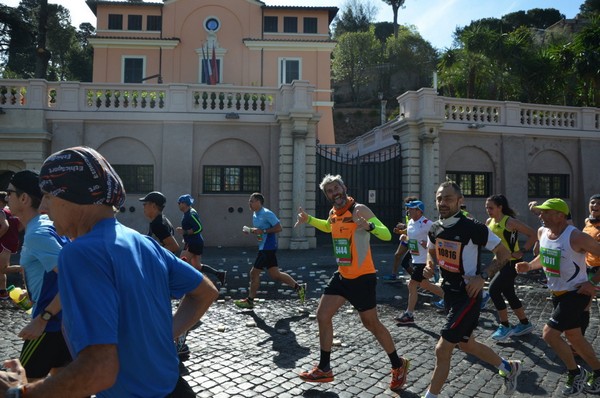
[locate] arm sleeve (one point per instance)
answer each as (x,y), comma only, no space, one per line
(321,225)
(380,231)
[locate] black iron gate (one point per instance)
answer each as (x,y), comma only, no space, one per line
(374,180)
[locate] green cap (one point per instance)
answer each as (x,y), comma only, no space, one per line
(554,204)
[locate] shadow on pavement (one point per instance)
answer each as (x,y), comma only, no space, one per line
(319,394)
(284,340)
(429,332)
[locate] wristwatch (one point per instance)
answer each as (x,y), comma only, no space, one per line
(14,392)
(484,275)
(47,315)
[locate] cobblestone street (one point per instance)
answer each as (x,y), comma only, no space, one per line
(258,353)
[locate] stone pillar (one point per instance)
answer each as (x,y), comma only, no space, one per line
(299,240)
(297,118)
(428,173)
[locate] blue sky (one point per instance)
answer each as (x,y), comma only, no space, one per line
(435,20)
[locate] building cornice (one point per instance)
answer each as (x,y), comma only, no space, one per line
(285,45)
(93,5)
(133,42)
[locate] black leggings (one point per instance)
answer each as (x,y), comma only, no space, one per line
(182,390)
(503,283)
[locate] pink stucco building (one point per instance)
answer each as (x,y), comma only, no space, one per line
(250,43)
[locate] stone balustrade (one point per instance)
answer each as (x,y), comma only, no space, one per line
(75,96)
(475,115)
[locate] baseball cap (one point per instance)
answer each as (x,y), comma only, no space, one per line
(154,197)
(187,199)
(554,204)
(416,204)
(27,181)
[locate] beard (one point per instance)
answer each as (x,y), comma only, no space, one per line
(339,200)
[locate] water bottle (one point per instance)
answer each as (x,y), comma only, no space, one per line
(19,297)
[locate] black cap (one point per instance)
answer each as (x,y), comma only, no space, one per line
(155,197)
(27,181)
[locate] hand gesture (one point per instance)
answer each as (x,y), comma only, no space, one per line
(360,220)
(301,218)
(399,228)
(14,375)
(588,289)
(429,270)
(34,329)
(474,284)
(522,267)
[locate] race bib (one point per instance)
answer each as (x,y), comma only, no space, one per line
(550,259)
(448,254)
(341,248)
(413,246)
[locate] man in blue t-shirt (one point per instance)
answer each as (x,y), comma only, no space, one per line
(116,287)
(44,349)
(265,228)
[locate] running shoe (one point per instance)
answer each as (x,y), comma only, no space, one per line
(222,277)
(244,303)
(575,384)
(510,380)
(484,299)
(302,293)
(317,375)
(502,333)
(3,294)
(522,328)
(405,319)
(440,304)
(592,385)
(399,376)
(391,278)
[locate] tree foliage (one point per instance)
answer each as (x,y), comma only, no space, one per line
(353,57)
(514,59)
(355,16)
(37,40)
(589,8)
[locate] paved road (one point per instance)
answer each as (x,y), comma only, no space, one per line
(245,353)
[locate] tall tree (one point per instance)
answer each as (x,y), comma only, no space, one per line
(396,5)
(41,52)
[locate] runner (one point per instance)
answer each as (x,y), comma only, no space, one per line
(351,225)
(562,256)
(402,256)
(266,227)
(416,238)
(455,242)
(503,223)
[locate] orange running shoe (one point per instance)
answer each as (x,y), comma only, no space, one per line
(316,375)
(399,376)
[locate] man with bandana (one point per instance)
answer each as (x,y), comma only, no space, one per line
(351,225)
(115,288)
(455,242)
